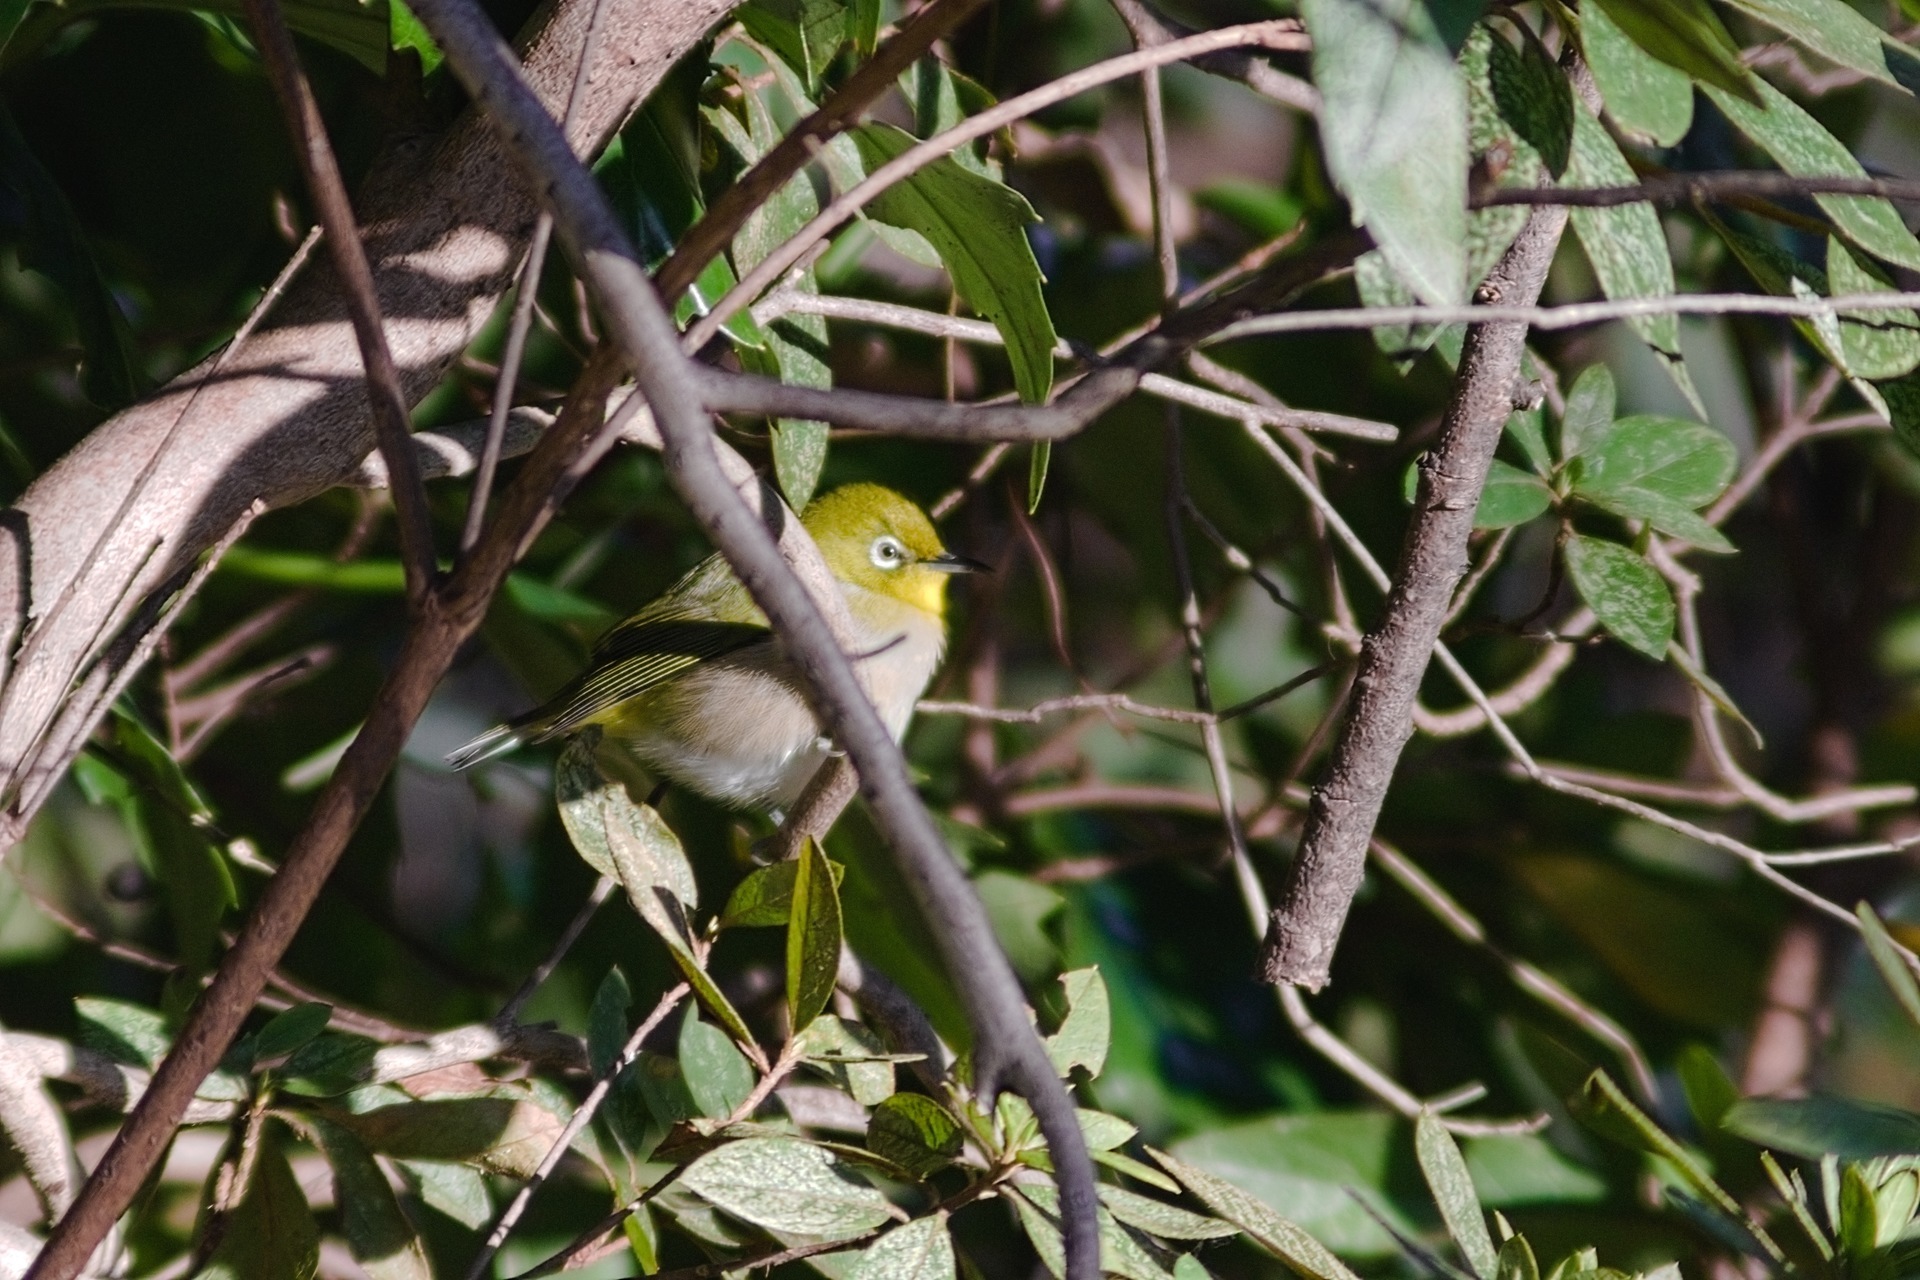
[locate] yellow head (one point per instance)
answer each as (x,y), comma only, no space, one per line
(872,537)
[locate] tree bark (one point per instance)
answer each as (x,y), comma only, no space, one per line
(110,530)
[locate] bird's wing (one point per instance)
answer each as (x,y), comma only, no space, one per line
(640,654)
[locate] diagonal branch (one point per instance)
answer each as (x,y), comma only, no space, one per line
(1005,1046)
(1326,873)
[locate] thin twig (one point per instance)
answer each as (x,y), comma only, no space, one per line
(602,890)
(1688,188)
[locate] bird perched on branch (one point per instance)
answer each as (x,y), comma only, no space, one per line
(697,687)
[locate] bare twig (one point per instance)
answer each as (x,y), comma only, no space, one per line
(1151,27)
(1326,871)
(1688,188)
(335,211)
(602,890)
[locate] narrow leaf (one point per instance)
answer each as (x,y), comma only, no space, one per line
(1831,28)
(1157,1218)
(384,1242)
(1876,344)
(1890,960)
(1821,1126)
(1644,96)
(813,938)
(1686,34)
(1268,1229)
(1453,1191)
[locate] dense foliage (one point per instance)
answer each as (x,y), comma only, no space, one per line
(1628,985)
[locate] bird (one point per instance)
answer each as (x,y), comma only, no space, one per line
(696,684)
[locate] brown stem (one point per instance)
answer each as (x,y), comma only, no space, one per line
(1325,874)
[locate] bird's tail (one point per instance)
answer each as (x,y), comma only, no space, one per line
(496,741)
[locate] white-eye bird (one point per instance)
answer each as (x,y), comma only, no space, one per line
(696,686)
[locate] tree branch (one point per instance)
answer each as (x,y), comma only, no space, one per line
(1326,872)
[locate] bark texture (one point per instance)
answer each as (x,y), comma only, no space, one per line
(93,546)
(1326,872)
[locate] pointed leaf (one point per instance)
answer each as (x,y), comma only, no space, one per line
(786,1185)
(1673,518)
(1534,97)
(1268,1229)
(453,1189)
(1816,1127)
(914,1132)
(1685,461)
(1644,96)
(1453,1191)
(1831,28)
(1589,414)
(1393,124)
(979,227)
(1157,1218)
(1875,344)
(1512,496)
(1082,1038)
(290,1030)
(1605,1108)
(270,1235)
(1517,1261)
(1686,34)
(813,937)
(1528,429)
(852,1055)
(920,1250)
(384,1242)
(1802,146)
(1625,592)
(1889,958)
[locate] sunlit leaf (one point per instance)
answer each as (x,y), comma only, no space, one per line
(1453,1191)
(852,1055)
(919,1250)
(805,33)
(1158,1218)
(1686,34)
(1263,1225)
(1393,122)
(914,1132)
(1644,96)
(1833,29)
(1084,1033)
(1875,344)
(1589,412)
(1685,461)
(813,937)
(1819,1126)
(784,1184)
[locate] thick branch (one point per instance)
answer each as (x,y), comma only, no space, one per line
(1333,847)
(1006,1048)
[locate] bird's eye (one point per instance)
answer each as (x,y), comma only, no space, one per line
(887,553)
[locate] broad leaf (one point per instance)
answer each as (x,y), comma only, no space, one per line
(504,1132)
(717,1075)
(1644,96)
(1625,592)
(1102,1131)
(290,1030)
(919,1250)
(1534,97)
(1453,1191)
(786,1185)
(1686,462)
(1512,496)
(1265,1227)
(1820,1126)
(1393,124)
(914,1132)
(271,1234)
(384,1242)
(1686,34)
(1876,344)
(979,228)
(1589,413)
(1802,146)
(805,33)
(405,31)
(853,1056)
(765,897)
(1083,1036)
(1833,29)
(455,1190)
(813,937)
(1528,429)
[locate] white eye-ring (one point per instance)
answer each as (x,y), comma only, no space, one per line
(887,552)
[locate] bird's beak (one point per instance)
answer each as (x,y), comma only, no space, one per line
(947,562)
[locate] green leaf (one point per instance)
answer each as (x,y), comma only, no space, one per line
(1673,518)
(270,1235)
(383,1241)
(813,937)
(1802,146)
(1518,1169)
(607,1022)
(1859,1226)
(52,243)
(1685,461)
(765,897)
(1709,1092)
(1902,396)
(1890,960)
(1516,1261)
(1528,429)
(919,1250)
(1158,1218)
(799,451)
(330,1064)
(290,1030)
(1452,1187)
(1720,698)
(1625,244)
(1293,1246)
(1589,414)
(1831,28)
(786,1185)
(1534,97)
(1102,1131)
(1819,1126)
(1875,344)
(1625,592)
(1648,99)
(718,1076)
(1393,125)
(979,227)
(1686,34)
(405,31)
(853,1056)
(914,1132)
(1512,496)
(1605,1108)
(1039,458)
(125,1032)
(1188,1267)
(452,1189)
(1084,1033)
(805,33)
(1038,1205)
